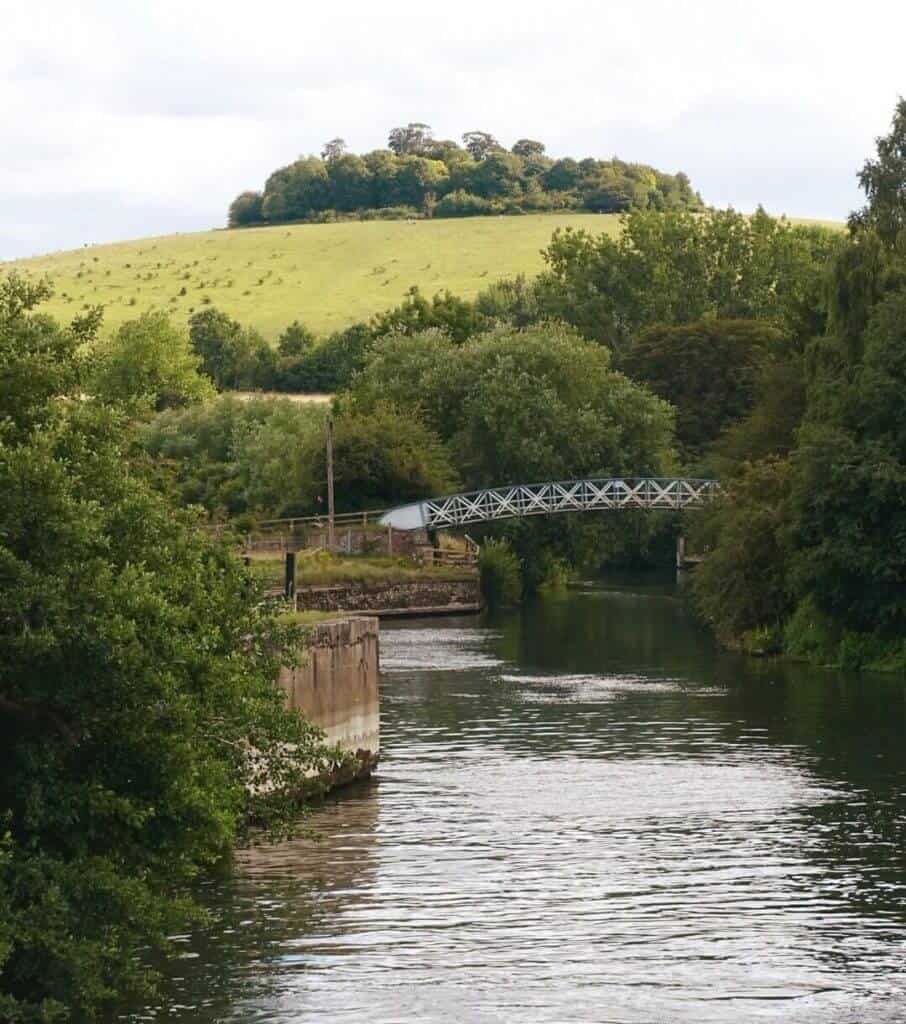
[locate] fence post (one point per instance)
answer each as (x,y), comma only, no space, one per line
(389,540)
(289,577)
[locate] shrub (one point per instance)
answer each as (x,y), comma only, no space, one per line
(463,204)
(500,573)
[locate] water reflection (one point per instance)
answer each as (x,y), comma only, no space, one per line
(586,813)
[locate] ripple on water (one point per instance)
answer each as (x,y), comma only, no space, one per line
(556,847)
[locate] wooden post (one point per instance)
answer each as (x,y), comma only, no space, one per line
(289,577)
(331,539)
(680,552)
(389,540)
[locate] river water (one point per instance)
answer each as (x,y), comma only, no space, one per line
(585,812)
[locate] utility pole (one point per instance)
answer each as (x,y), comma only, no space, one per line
(331,538)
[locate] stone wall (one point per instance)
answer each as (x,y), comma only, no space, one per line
(337,686)
(413,597)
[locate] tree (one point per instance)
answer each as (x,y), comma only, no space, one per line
(383,456)
(246,208)
(480,144)
(708,370)
(333,149)
(411,140)
(849,486)
(538,404)
(138,671)
(676,267)
(742,585)
(419,171)
(231,355)
(528,148)
(497,174)
(418,179)
(234,457)
(563,175)
(814,542)
(351,183)
(883,181)
(296,340)
(446,311)
(150,362)
(330,365)
(215,338)
(296,191)
(383,167)
(41,360)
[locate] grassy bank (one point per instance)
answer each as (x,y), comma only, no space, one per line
(327,275)
(322,569)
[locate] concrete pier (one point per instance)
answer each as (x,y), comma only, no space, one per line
(336,686)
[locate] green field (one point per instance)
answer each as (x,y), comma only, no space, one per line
(326,275)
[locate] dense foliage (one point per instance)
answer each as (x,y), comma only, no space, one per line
(526,405)
(266,458)
(536,404)
(234,457)
(819,535)
(708,370)
(137,673)
(676,268)
(149,361)
(500,574)
(419,175)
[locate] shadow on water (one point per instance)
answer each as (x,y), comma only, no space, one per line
(586,812)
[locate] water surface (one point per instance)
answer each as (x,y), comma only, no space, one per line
(584,813)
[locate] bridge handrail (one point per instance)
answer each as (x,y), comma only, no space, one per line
(581,494)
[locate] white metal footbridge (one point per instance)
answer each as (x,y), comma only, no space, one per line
(517,500)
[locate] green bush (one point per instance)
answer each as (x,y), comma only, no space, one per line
(463,204)
(500,574)
(810,634)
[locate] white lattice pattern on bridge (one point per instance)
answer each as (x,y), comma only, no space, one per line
(548,498)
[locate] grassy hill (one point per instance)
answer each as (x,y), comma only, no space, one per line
(327,275)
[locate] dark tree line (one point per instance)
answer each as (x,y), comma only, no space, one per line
(418,175)
(808,552)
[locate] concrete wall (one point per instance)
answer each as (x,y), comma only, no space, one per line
(413,597)
(337,686)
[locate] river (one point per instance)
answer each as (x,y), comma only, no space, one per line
(585,812)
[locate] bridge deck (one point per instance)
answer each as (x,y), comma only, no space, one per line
(517,500)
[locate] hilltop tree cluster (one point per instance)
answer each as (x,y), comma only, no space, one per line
(418,175)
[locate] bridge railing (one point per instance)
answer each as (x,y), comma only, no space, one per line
(585,495)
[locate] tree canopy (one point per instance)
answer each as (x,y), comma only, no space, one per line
(418,174)
(137,674)
(708,370)
(536,404)
(150,361)
(815,509)
(674,268)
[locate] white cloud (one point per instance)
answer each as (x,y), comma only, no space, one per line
(167,110)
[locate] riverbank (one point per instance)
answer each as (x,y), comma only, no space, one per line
(387,587)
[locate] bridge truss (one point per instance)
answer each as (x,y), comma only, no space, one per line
(545,499)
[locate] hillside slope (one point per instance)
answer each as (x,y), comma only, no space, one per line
(327,275)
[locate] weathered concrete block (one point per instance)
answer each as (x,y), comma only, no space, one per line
(337,688)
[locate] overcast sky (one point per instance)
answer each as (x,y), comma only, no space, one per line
(124,118)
